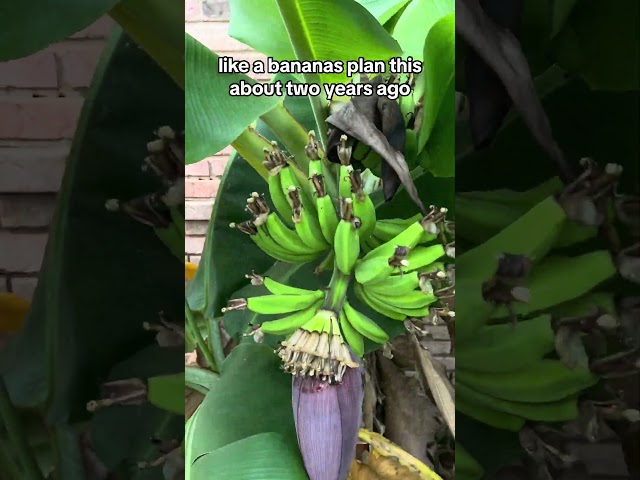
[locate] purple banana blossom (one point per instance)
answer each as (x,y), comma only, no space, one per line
(327,419)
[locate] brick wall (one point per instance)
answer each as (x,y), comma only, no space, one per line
(40,100)
(208,21)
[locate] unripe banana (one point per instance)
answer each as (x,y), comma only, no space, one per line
(363,207)
(545,381)
(532,235)
(418,306)
(346,241)
(351,335)
(561,279)
(500,348)
(287,180)
(327,216)
(395,285)
(411,300)
(289,324)
(279,199)
(559,411)
(277,304)
(472,311)
(467,468)
(489,416)
(364,325)
(285,236)
(268,245)
(376,305)
(278,288)
(308,228)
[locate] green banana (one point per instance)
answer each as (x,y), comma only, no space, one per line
(417,306)
(395,285)
(309,231)
(532,235)
(346,242)
(363,207)
(561,279)
(561,410)
(267,244)
(493,418)
(327,217)
(501,348)
(377,269)
(279,199)
(288,179)
(363,324)
(472,311)
(351,335)
(545,381)
(344,181)
(411,300)
(277,304)
(284,236)
(377,305)
(466,467)
(278,288)
(289,324)
(586,305)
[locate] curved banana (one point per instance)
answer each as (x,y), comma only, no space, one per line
(363,324)
(309,231)
(414,299)
(561,279)
(289,324)
(279,199)
(418,307)
(288,179)
(532,235)
(327,217)
(351,335)
(278,288)
(500,348)
(472,311)
(267,244)
(277,304)
(363,207)
(346,242)
(376,305)
(545,381)
(395,285)
(490,416)
(285,236)
(558,411)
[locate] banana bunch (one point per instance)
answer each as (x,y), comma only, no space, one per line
(534,369)
(395,266)
(163,209)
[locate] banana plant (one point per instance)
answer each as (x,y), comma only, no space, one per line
(535,256)
(277,206)
(107,277)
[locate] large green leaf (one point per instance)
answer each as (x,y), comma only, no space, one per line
(26,28)
(252,397)
(437,74)
(104,274)
(326,30)
(215,118)
(383,10)
(416,21)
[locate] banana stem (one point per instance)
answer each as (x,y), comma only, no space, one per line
(250,145)
(215,343)
(204,348)
(9,417)
(337,291)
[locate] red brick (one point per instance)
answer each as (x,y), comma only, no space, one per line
(32,169)
(45,118)
(198,209)
(214,35)
(99,29)
(193,10)
(21,252)
(35,71)
(218,164)
(201,188)
(78,61)
(194,245)
(199,169)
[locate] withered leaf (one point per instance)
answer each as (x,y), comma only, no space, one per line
(350,120)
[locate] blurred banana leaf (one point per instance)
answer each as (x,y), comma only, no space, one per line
(88,307)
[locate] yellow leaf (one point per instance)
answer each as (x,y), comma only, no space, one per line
(13,311)
(190,270)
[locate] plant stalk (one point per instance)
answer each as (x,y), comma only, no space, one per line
(204,347)
(294,23)
(215,343)
(9,417)
(250,145)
